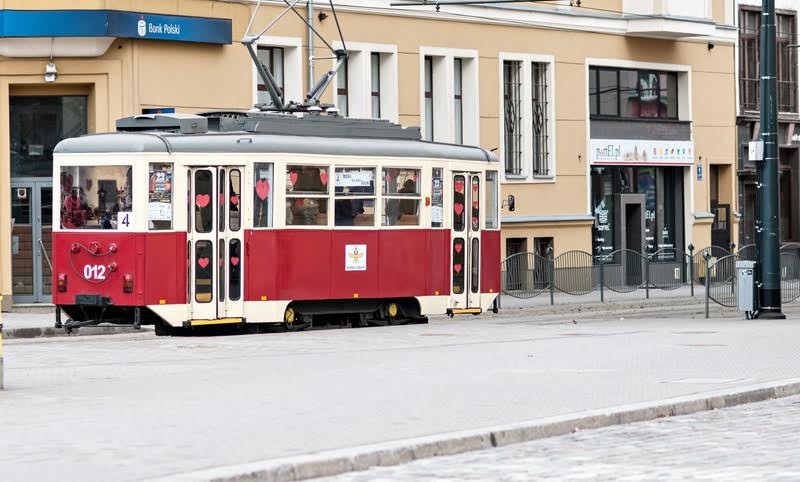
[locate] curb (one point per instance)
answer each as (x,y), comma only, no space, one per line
(51,332)
(335,462)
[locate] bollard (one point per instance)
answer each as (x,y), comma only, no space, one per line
(1,342)
(647,276)
(602,279)
(550,271)
(691,269)
(707,257)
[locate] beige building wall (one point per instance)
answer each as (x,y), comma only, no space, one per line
(135,74)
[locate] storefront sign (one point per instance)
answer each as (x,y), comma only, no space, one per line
(641,152)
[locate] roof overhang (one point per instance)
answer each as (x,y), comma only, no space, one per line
(89,33)
(669,28)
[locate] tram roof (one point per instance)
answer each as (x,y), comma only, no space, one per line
(244,132)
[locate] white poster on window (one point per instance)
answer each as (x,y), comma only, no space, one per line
(355,257)
(159,211)
(641,152)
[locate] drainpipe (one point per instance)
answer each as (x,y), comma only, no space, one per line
(310,33)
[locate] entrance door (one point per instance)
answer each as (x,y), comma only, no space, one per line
(720,234)
(31,235)
(216,257)
(466,235)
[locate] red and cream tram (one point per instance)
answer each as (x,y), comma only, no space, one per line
(232,218)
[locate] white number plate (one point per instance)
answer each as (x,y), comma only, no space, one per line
(95,272)
(124,221)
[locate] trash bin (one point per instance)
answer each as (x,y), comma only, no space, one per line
(745,282)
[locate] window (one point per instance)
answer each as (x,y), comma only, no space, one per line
(96,197)
(458,100)
(355,196)
(375,81)
(512,108)
(633,93)
(342,101)
(306,195)
(159,202)
(234,200)
(749,60)
(428,98)
(491,200)
(437,198)
(262,195)
(540,119)
(401,197)
(273,59)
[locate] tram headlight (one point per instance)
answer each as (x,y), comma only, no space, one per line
(127,283)
(61,282)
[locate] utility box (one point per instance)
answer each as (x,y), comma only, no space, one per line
(746,283)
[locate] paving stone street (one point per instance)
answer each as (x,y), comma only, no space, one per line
(758,441)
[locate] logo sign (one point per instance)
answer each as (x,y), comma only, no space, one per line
(355,257)
(141,27)
(641,152)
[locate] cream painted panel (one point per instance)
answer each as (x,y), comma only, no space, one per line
(565,196)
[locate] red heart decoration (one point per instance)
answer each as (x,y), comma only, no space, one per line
(459,247)
(293,178)
(203,262)
(235,200)
(323,176)
(457,267)
(235,260)
(475,220)
(475,204)
(221,198)
(262,189)
(202,200)
(459,186)
(458,208)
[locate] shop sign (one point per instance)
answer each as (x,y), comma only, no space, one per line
(641,152)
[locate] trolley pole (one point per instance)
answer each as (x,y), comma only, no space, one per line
(768,191)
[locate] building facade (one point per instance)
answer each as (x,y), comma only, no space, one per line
(615,121)
(748,19)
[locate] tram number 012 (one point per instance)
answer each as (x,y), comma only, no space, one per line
(94,272)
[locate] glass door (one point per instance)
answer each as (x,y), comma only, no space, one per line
(466,237)
(216,257)
(31,235)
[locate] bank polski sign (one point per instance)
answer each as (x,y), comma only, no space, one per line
(641,152)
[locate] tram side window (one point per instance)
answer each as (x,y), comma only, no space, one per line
(306,195)
(355,196)
(490,200)
(401,197)
(437,198)
(96,197)
(262,187)
(159,201)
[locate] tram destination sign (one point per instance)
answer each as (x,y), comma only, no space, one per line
(641,152)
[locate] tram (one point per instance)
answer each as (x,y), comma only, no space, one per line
(238,218)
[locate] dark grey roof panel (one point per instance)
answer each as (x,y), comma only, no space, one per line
(249,142)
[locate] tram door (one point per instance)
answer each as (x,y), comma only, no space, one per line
(466,245)
(216,261)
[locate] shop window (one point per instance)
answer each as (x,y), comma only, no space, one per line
(273,59)
(96,197)
(306,195)
(401,197)
(159,206)
(631,93)
(355,196)
(262,195)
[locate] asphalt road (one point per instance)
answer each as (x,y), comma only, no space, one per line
(129,407)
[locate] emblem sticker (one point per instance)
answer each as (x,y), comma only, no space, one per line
(141,27)
(355,257)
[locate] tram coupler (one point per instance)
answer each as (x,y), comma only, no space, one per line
(70,325)
(137,318)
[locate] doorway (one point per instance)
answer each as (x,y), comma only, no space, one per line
(31,235)
(466,235)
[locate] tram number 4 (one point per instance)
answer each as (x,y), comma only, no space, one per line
(125,220)
(94,272)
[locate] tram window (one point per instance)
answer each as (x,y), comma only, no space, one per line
(437,198)
(306,195)
(96,197)
(221,272)
(203,201)
(475,219)
(235,270)
(203,271)
(221,200)
(355,196)
(234,199)
(262,198)
(459,186)
(401,197)
(490,200)
(474,275)
(458,265)
(159,202)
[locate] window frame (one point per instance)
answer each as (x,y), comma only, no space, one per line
(639,71)
(373,196)
(437,99)
(417,196)
(292,66)
(327,195)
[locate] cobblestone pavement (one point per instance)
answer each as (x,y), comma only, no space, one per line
(130,407)
(759,441)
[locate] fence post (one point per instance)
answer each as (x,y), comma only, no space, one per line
(550,273)
(602,277)
(691,269)
(707,257)
(647,276)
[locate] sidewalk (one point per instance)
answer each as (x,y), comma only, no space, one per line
(132,408)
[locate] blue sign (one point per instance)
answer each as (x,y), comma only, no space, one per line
(699,172)
(114,23)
